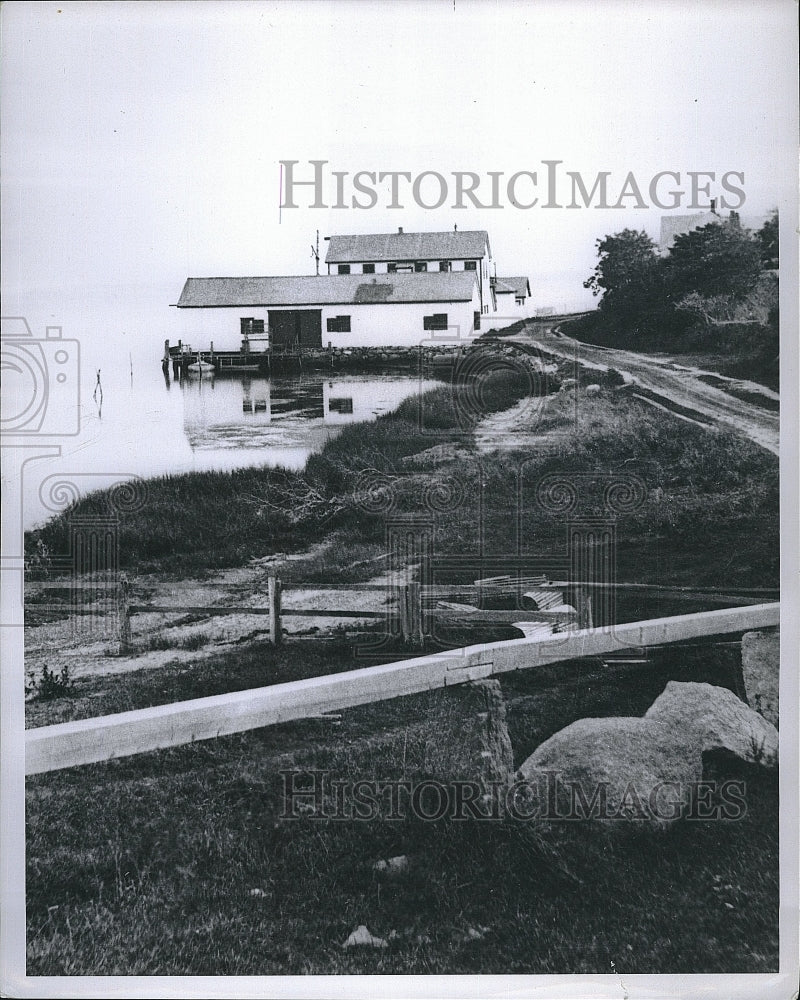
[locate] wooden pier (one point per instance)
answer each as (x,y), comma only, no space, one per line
(179,357)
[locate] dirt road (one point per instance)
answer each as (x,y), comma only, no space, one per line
(662,380)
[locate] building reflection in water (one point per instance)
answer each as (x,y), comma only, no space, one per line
(285,413)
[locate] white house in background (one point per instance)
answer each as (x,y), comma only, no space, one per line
(677,225)
(512,296)
(673,226)
(415,253)
(344,310)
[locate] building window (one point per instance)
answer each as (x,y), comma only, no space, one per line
(520,302)
(445,265)
(338,324)
(420,265)
(368,269)
(344,269)
(343,404)
(470,265)
(477,320)
(250,326)
(391,268)
(438,321)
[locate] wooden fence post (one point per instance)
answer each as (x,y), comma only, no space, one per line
(584,608)
(275,627)
(410,600)
(123,612)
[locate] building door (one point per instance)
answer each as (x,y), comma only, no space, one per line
(291,329)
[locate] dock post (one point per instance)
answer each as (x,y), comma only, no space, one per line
(166,352)
(123,612)
(275,628)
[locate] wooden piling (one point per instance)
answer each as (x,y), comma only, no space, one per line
(274,597)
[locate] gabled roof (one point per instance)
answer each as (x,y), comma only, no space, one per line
(467,245)
(675,225)
(328,289)
(520,286)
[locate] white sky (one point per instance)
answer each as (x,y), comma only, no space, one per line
(141,140)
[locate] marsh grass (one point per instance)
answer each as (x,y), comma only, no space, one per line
(705,487)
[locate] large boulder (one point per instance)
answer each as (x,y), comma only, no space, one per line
(614,769)
(721,720)
(646,768)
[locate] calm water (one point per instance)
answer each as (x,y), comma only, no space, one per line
(147,424)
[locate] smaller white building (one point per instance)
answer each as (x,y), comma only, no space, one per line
(512,296)
(340,311)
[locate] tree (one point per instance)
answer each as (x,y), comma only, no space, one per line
(718,259)
(767,237)
(626,261)
(628,276)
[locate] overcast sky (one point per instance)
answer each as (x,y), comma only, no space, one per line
(141,141)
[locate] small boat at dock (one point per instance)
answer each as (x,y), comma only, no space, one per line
(200,367)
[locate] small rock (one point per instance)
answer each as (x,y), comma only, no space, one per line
(257,893)
(475,933)
(361,937)
(393,867)
(593,389)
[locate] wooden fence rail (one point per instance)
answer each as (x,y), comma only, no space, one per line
(87,741)
(415,604)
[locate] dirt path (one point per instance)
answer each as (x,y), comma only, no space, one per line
(88,647)
(671,383)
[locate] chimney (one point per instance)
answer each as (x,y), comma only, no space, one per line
(399,230)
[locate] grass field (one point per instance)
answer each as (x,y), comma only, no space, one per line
(148,865)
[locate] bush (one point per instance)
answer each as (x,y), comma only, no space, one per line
(50,685)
